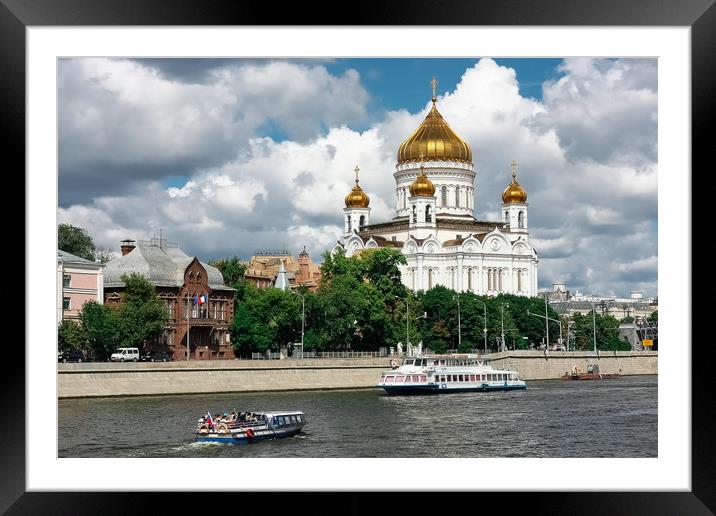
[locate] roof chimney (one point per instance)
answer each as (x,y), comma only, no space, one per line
(127,246)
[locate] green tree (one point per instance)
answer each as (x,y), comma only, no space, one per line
(357,300)
(266,319)
(141,314)
(99,324)
(233,270)
(653,317)
(71,335)
(607,332)
(75,240)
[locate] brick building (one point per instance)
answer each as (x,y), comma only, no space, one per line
(179,279)
(264,266)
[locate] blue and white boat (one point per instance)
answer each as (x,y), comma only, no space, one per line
(249,427)
(447,373)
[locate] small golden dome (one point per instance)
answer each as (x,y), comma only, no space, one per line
(357,198)
(434,140)
(514,193)
(422,186)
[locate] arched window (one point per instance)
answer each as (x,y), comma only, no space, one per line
(519,280)
(350,227)
(521,220)
(428,214)
(507,216)
(404,195)
(415,214)
(443,196)
(469,279)
(457,196)
(362,222)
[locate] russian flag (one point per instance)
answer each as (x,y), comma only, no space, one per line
(196,298)
(202,299)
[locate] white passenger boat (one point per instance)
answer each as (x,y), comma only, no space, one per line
(447,373)
(248,427)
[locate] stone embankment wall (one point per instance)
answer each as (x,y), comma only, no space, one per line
(194,377)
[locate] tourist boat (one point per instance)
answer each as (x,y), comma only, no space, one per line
(447,373)
(248,427)
(592,373)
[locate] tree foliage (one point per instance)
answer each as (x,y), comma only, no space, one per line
(100,326)
(232,269)
(71,335)
(75,240)
(139,316)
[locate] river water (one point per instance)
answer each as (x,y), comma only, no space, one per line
(551,418)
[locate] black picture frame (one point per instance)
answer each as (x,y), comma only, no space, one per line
(699,15)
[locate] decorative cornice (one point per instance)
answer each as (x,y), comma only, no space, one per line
(435,164)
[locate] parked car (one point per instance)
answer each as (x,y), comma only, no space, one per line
(155,356)
(71,355)
(125,355)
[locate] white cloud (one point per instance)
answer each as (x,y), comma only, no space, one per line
(586,156)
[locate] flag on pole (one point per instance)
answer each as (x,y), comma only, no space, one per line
(202,299)
(211,421)
(196,298)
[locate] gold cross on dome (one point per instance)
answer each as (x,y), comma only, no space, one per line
(514,168)
(356,171)
(434,84)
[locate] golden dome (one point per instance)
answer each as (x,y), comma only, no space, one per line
(514,193)
(434,140)
(357,198)
(422,186)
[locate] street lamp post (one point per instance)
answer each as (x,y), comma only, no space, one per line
(303,317)
(484,329)
(594,324)
(407,321)
(502,320)
(547,319)
(459,329)
(546,316)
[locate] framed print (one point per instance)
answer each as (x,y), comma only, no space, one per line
(205,122)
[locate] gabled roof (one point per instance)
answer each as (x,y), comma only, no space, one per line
(162,266)
(71,258)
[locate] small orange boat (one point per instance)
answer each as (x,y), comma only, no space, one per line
(592,373)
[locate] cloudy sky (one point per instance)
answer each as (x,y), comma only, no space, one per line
(228,156)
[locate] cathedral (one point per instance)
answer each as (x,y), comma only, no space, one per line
(435,227)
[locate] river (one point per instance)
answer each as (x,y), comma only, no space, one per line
(551,418)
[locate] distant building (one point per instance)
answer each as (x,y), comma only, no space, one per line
(78,281)
(179,280)
(263,270)
(559,293)
(636,305)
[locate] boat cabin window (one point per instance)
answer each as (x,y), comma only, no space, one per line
(409,362)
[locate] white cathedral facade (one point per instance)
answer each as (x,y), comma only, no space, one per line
(435,227)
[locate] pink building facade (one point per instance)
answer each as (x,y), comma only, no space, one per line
(78,281)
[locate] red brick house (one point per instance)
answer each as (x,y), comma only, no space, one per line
(179,279)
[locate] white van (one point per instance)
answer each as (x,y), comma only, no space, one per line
(125,355)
